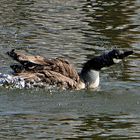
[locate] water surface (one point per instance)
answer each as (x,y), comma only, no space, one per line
(77,30)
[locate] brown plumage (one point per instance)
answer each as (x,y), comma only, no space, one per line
(38,69)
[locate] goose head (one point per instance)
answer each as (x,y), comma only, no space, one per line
(90,72)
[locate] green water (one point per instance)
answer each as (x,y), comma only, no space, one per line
(77,30)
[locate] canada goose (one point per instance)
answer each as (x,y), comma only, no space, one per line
(37,71)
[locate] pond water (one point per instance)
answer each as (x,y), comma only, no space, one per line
(77,30)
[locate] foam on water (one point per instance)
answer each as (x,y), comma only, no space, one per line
(11,81)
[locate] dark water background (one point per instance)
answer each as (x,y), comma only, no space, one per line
(77,30)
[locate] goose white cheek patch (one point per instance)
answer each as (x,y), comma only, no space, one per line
(116,60)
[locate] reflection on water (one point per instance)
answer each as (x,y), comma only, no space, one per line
(76,30)
(24,126)
(111,21)
(67,115)
(108,126)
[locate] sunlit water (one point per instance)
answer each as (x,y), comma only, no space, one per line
(77,30)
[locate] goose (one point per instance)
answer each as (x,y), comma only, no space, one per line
(37,71)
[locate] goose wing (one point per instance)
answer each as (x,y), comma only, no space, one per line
(25,59)
(38,68)
(48,78)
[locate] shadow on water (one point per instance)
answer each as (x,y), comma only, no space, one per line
(76,30)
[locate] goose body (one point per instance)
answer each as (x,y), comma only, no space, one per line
(37,71)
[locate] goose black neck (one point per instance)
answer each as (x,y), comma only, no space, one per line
(97,63)
(104,60)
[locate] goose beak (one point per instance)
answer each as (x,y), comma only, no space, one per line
(121,56)
(125,54)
